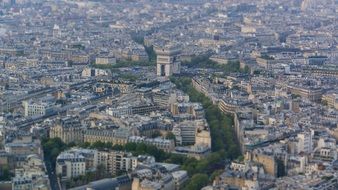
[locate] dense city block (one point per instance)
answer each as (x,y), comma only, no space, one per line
(168,94)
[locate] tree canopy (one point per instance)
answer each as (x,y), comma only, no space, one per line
(223,138)
(198,181)
(204,61)
(224,142)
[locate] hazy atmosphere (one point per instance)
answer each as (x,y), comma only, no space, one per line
(168,94)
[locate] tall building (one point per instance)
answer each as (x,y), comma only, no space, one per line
(164,144)
(312,4)
(68,129)
(105,60)
(56,31)
(185,133)
(168,60)
(69,165)
(32,174)
(37,108)
(115,162)
(295,106)
(113,136)
(76,162)
(305,143)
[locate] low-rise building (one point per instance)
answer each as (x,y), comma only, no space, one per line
(105,135)
(32,175)
(180,177)
(163,144)
(116,162)
(105,60)
(37,108)
(69,165)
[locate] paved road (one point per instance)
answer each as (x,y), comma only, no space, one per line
(52,177)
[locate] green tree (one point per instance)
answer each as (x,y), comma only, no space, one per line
(170,136)
(203,61)
(117,147)
(223,136)
(256,72)
(246,69)
(155,134)
(84,145)
(151,53)
(71,144)
(324,102)
(295,96)
(101,172)
(5,174)
(198,181)
(214,175)
(130,146)
(98,145)
(52,148)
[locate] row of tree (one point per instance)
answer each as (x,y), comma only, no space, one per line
(222,132)
(139,38)
(123,63)
(208,167)
(224,143)
(204,61)
(52,147)
(5,174)
(129,63)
